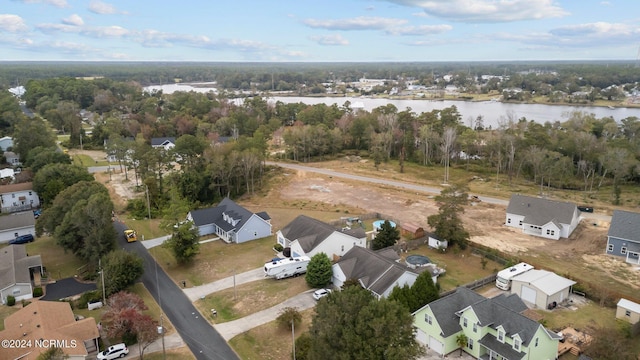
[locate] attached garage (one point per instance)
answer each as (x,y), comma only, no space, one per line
(436,345)
(528,294)
(421,337)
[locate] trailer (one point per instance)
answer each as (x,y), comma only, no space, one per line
(504,277)
(288,267)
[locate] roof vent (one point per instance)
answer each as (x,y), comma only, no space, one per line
(38,325)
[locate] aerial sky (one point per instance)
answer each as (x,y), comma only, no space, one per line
(319,30)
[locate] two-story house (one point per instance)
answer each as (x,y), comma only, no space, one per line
(18,197)
(493,328)
(623,238)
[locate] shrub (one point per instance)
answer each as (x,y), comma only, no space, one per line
(88,297)
(37,292)
(11,300)
(278,247)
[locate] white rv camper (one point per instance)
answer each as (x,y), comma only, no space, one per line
(287,267)
(503,279)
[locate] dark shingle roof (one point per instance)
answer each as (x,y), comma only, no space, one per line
(204,216)
(375,271)
(215,215)
(19,220)
(499,313)
(505,350)
(625,225)
(161,140)
(445,309)
(15,264)
(541,211)
(308,231)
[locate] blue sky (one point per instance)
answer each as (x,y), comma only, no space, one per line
(319,30)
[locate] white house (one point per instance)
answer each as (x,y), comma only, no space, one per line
(12,158)
(18,197)
(376,271)
(6,142)
(542,217)
(16,272)
(541,288)
(307,236)
(231,222)
(14,225)
(166,143)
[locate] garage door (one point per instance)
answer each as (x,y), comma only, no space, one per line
(528,294)
(436,345)
(421,336)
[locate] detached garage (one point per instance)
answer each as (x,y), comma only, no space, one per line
(541,288)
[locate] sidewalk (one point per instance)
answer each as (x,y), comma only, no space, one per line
(230,329)
(155,242)
(196,292)
(172,341)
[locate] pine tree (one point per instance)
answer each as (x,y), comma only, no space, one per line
(387,236)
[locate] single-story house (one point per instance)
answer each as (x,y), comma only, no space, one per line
(231,222)
(166,143)
(628,310)
(307,237)
(376,271)
(6,143)
(495,328)
(623,238)
(12,158)
(18,273)
(436,243)
(411,230)
(14,225)
(541,288)
(7,173)
(18,197)
(542,217)
(43,321)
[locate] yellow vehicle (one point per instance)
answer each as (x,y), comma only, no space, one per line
(130,235)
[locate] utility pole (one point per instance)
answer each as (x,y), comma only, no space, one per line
(104,298)
(161,332)
(293,339)
(148,205)
(234,284)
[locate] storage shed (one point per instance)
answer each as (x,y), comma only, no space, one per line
(628,311)
(411,230)
(541,288)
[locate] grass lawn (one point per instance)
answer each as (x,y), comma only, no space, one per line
(269,341)
(59,264)
(143,227)
(590,315)
(175,354)
(250,298)
(6,311)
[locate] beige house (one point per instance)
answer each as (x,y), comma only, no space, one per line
(628,311)
(43,324)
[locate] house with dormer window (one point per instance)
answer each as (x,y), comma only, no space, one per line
(495,328)
(231,222)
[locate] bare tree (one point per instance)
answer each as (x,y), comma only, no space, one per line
(448,142)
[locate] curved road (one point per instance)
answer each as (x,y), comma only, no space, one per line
(202,339)
(407,186)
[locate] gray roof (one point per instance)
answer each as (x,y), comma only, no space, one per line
(15,264)
(162,140)
(546,281)
(214,215)
(541,211)
(375,271)
(505,350)
(445,309)
(308,231)
(506,313)
(625,225)
(15,221)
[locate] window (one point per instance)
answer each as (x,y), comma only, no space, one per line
(551,232)
(536,343)
(342,248)
(627,313)
(16,291)
(516,344)
(501,335)
(13,196)
(475,328)
(428,319)
(464,321)
(29,193)
(470,343)
(509,221)
(623,250)
(610,248)
(520,223)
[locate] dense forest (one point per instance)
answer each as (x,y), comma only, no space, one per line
(231,141)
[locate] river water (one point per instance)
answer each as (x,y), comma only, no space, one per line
(494,113)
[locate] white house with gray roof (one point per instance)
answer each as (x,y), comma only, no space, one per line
(495,328)
(231,222)
(17,269)
(307,237)
(18,224)
(541,288)
(623,238)
(376,271)
(549,219)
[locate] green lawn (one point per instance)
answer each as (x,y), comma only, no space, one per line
(59,264)
(6,311)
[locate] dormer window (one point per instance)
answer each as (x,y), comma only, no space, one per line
(501,335)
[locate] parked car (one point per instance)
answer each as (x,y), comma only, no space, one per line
(22,239)
(585,209)
(320,293)
(36,213)
(114,352)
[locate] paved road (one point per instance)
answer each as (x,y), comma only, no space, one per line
(407,186)
(202,339)
(65,288)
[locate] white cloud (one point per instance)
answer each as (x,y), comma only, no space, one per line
(103,8)
(484,11)
(358,23)
(420,30)
(56,3)
(12,23)
(579,36)
(74,19)
(330,40)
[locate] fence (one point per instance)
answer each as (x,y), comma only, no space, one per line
(491,279)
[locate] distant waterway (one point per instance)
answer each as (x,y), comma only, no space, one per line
(494,113)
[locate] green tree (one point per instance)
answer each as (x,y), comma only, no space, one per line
(54,178)
(29,134)
(387,236)
(40,156)
(287,316)
(303,346)
(461,341)
(319,270)
(184,242)
(353,324)
(121,269)
(447,222)
(422,292)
